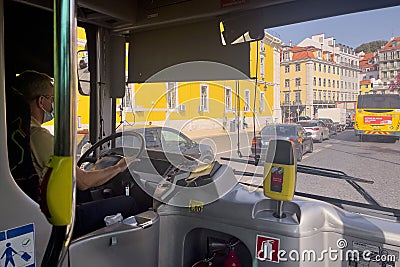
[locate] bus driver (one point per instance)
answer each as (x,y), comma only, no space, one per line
(38,90)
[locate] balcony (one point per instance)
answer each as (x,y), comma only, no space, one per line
(324,102)
(350,65)
(389,67)
(292,103)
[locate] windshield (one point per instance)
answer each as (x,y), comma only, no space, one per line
(285,131)
(347,63)
(326,120)
(320,66)
(378,101)
(307,124)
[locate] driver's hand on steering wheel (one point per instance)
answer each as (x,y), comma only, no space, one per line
(125,162)
(88,179)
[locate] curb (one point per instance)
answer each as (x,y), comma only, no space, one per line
(208,133)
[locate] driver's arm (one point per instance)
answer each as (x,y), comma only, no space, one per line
(88,179)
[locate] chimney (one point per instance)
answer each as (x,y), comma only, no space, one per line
(334,44)
(290,43)
(322,51)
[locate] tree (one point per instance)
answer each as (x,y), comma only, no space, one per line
(371,46)
(395,85)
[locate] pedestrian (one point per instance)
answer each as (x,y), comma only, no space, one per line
(244,122)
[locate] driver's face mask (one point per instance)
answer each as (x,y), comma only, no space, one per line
(48,116)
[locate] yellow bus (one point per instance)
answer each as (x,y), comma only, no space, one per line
(378,115)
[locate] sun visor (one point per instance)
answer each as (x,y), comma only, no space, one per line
(117,70)
(152,51)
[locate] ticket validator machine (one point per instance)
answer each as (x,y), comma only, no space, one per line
(280,173)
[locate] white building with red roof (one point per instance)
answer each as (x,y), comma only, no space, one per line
(389,61)
(369,67)
(347,59)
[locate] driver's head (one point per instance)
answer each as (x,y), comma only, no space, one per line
(38,90)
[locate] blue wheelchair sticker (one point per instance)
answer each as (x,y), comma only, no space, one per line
(17,247)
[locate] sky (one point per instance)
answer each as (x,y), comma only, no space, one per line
(352,30)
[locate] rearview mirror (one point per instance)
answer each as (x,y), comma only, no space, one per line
(83,72)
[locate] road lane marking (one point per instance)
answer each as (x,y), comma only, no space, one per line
(327,145)
(231,150)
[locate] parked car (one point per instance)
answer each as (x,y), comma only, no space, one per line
(318,130)
(350,120)
(332,126)
(302,118)
(296,133)
(171,140)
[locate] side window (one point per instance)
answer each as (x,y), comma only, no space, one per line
(170,137)
(152,139)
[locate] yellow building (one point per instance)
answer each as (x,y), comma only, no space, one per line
(200,105)
(207,105)
(82,100)
(365,87)
(310,80)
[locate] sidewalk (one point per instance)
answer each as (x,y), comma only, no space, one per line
(195,134)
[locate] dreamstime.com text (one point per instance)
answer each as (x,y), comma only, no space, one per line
(330,254)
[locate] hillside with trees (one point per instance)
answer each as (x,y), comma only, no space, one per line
(371,46)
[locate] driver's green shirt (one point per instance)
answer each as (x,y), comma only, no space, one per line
(42,146)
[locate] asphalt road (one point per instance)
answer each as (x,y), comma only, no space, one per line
(373,160)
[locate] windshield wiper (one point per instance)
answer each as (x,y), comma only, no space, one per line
(320,172)
(341,175)
(330,173)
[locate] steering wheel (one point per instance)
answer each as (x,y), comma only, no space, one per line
(117,185)
(114,151)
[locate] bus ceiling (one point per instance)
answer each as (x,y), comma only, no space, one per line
(215,33)
(252,15)
(190,31)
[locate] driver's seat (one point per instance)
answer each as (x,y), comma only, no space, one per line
(18,142)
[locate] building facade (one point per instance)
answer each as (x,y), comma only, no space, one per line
(204,105)
(369,72)
(369,67)
(366,87)
(310,79)
(389,62)
(347,60)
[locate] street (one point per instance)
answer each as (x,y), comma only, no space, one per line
(373,160)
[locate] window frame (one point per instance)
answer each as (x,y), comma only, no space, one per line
(172,91)
(204,102)
(228,102)
(247,100)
